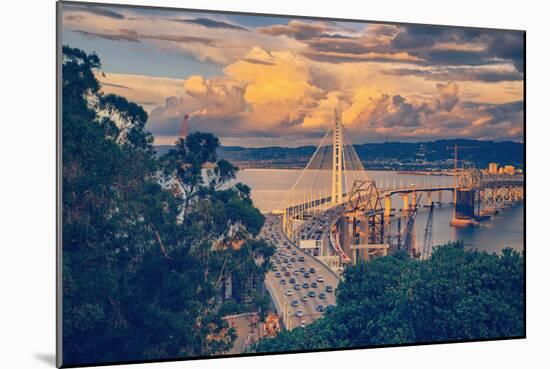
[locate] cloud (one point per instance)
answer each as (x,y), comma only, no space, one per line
(218,96)
(417,36)
(508,46)
(130,35)
(109,36)
(460,46)
(94,9)
(283,81)
(275,88)
(458,74)
(326,42)
(263,98)
(215,105)
(114,85)
(210,23)
(266,95)
(144,90)
(337,57)
(495,114)
(371,108)
(299,30)
(448,96)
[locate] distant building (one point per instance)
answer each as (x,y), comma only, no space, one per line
(509,169)
(493,168)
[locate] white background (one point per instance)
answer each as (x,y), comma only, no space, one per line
(27,183)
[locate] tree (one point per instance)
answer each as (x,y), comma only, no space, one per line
(142,263)
(455,295)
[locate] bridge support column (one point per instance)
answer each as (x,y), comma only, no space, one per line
(464,211)
(429,198)
(405,198)
(414,200)
(387,208)
(440,197)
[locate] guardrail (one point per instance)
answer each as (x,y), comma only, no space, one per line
(274,296)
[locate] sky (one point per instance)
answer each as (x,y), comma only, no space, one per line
(274,81)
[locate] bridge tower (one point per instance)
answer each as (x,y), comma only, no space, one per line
(337,161)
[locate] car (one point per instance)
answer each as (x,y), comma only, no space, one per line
(294,303)
(305,298)
(320,279)
(320,308)
(301,258)
(322,296)
(282,282)
(293,259)
(292,280)
(293,252)
(314,284)
(299,313)
(302,324)
(306,275)
(274,268)
(289,266)
(288,247)
(285,261)
(283,269)
(296,272)
(305,285)
(302,270)
(312,270)
(278,275)
(311,294)
(288,292)
(329,289)
(278,261)
(287,274)
(297,287)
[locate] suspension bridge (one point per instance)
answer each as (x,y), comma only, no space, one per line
(338,215)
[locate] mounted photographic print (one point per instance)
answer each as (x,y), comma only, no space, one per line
(243,184)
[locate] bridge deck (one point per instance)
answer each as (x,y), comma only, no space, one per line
(272,232)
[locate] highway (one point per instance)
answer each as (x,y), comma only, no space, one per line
(292,263)
(318,227)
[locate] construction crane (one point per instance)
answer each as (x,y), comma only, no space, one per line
(428,242)
(184,129)
(408,236)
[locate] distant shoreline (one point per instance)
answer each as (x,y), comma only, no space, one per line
(407,172)
(426,158)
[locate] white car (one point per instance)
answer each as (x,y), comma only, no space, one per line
(320,279)
(299,313)
(288,292)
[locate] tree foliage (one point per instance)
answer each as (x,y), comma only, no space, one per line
(455,295)
(147,241)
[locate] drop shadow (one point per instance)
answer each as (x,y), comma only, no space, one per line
(46,358)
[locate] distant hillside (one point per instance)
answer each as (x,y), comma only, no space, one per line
(387,155)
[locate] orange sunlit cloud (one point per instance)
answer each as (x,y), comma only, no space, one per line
(276,81)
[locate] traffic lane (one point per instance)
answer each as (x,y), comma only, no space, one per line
(309,307)
(306,265)
(281,242)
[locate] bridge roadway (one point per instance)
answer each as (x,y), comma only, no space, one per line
(285,249)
